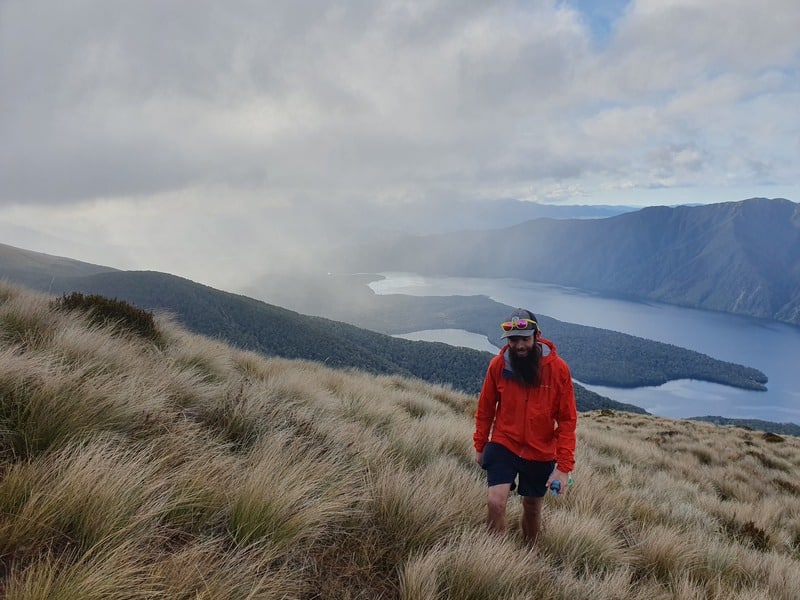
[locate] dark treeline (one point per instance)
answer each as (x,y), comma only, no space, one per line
(274,331)
(603,357)
(757,424)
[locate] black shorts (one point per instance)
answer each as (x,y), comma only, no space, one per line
(503,466)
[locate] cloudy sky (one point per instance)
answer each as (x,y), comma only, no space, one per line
(217,140)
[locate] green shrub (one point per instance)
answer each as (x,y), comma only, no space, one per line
(117,314)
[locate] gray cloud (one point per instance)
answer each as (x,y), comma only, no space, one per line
(260,124)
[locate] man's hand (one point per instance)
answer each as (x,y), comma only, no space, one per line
(563,479)
(479,458)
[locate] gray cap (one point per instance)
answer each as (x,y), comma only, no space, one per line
(521,323)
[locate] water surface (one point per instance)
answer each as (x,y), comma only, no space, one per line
(769,346)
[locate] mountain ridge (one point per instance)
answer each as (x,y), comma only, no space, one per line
(740,257)
(41,271)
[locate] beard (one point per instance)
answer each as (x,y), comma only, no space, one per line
(526,367)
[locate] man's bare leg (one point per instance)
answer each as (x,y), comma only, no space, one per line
(498,499)
(531,519)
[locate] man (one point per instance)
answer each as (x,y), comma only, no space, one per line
(525,423)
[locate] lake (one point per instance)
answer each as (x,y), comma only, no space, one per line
(772,347)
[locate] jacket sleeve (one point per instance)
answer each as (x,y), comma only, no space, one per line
(567,419)
(487,405)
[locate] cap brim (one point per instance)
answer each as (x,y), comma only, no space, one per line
(518,333)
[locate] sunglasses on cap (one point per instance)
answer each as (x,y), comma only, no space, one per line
(520,324)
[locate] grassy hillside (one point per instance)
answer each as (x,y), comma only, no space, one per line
(253,325)
(178,467)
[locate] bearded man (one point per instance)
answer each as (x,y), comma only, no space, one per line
(525,424)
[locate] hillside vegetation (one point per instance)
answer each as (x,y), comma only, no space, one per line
(250,324)
(139,464)
(740,257)
(348,338)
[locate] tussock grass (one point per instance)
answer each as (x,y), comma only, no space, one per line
(432,436)
(585,543)
(416,508)
(457,567)
(188,469)
(290,494)
(47,403)
(209,569)
(25,319)
(105,573)
(82,496)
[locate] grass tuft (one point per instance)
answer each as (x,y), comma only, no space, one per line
(473,566)
(290,495)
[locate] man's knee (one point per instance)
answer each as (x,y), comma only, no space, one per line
(498,497)
(532,505)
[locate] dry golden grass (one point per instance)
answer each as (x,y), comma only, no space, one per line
(192,470)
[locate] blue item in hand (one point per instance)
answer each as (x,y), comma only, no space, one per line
(555,487)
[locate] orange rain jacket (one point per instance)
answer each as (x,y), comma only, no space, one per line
(535,423)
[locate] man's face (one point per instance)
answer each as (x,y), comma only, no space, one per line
(521,346)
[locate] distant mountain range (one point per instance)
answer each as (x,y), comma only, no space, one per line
(739,257)
(43,272)
(394,221)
